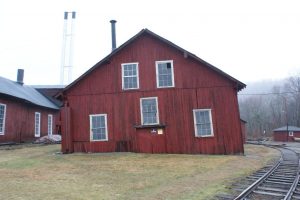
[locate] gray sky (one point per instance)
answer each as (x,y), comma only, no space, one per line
(250,40)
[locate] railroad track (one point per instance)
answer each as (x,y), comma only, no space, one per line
(279,182)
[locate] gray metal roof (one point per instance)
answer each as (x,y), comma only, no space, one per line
(24,92)
(284,128)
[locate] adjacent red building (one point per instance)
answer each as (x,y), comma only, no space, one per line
(286,134)
(25,114)
(151,96)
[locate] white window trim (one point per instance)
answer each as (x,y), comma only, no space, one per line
(291,133)
(157,77)
(91,132)
(51,130)
(137,75)
(211,123)
(39,127)
(141,109)
(4,116)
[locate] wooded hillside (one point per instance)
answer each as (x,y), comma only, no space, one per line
(276,107)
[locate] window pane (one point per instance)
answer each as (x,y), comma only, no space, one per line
(203,123)
(149,111)
(98,127)
(49,124)
(37,124)
(2,108)
(130,78)
(164,74)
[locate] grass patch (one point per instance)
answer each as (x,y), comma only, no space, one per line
(38,173)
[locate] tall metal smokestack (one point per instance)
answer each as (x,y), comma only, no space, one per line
(20,76)
(67,48)
(113,34)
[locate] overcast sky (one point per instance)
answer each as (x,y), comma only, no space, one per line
(250,40)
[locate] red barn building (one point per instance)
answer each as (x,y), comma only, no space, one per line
(150,95)
(286,134)
(25,114)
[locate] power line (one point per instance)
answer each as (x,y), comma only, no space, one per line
(270,93)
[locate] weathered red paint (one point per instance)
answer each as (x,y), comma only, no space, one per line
(196,87)
(283,136)
(20,120)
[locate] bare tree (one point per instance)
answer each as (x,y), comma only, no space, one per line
(265,112)
(293,87)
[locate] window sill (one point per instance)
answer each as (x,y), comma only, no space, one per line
(99,140)
(130,89)
(150,126)
(206,136)
(162,87)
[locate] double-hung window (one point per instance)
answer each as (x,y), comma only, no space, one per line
(203,123)
(50,124)
(2,118)
(164,74)
(130,76)
(149,111)
(37,124)
(98,127)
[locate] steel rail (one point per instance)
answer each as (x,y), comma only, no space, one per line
(295,183)
(249,189)
(254,185)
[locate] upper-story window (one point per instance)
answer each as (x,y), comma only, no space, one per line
(2,118)
(164,73)
(130,76)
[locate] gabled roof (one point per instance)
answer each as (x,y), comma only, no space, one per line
(285,128)
(240,85)
(24,92)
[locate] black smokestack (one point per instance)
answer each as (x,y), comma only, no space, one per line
(20,76)
(66,15)
(113,34)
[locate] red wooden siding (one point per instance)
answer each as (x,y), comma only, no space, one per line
(283,136)
(196,87)
(19,120)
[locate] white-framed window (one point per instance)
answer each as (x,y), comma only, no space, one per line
(203,123)
(130,76)
(37,124)
(291,133)
(98,127)
(50,124)
(2,118)
(149,111)
(164,74)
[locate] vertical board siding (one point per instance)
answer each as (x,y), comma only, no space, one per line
(196,87)
(20,121)
(175,111)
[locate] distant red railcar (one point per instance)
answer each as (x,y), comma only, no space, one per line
(286,134)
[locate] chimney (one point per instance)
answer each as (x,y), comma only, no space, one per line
(113,34)
(20,76)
